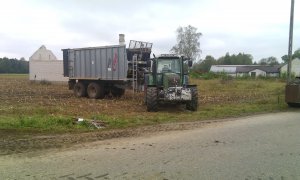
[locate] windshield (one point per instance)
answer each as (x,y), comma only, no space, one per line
(168,65)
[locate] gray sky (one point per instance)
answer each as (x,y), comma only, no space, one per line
(257,27)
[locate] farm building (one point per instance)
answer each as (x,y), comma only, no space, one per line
(228,69)
(249,70)
(254,71)
(43,65)
(295,67)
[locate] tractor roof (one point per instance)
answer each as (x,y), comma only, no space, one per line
(168,56)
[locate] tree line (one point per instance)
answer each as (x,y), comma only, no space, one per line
(14,66)
(239,59)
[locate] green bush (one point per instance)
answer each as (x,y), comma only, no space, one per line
(284,75)
(195,75)
(244,77)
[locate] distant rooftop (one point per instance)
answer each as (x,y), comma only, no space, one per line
(244,68)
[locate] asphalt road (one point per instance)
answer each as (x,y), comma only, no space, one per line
(258,147)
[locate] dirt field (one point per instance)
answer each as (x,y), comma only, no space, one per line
(41,115)
(13,143)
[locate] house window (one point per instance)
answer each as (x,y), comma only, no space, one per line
(253,74)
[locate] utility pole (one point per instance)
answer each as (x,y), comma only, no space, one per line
(289,67)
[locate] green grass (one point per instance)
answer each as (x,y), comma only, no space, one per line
(53,108)
(41,123)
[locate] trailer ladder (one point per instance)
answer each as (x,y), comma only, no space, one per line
(135,73)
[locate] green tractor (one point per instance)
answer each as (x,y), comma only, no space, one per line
(168,81)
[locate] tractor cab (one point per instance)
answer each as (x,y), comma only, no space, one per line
(169,69)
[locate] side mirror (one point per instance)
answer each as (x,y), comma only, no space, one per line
(190,63)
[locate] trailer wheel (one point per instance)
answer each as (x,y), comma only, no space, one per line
(79,89)
(151,99)
(95,91)
(193,104)
(117,92)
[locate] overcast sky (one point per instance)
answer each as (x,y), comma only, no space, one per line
(257,27)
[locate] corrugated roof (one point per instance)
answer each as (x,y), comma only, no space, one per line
(223,68)
(267,69)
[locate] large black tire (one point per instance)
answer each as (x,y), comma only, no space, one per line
(95,91)
(294,104)
(79,89)
(117,92)
(146,82)
(145,95)
(106,91)
(151,99)
(193,104)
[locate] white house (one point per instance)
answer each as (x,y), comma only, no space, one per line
(43,65)
(295,67)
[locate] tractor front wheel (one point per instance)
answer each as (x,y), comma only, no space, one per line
(151,99)
(193,104)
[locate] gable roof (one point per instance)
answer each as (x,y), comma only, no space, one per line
(42,54)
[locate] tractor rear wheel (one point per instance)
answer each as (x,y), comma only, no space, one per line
(95,91)
(145,95)
(294,104)
(151,99)
(193,104)
(79,89)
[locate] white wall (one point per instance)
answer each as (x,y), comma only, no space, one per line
(295,67)
(241,74)
(46,70)
(273,74)
(258,72)
(264,74)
